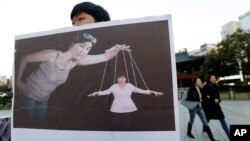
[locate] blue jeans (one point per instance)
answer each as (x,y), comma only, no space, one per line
(199,111)
(37,110)
(224,126)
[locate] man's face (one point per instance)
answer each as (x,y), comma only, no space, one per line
(82,19)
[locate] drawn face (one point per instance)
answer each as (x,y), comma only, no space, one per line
(198,83)
(82,19)
(213,79)
(121,79)
(79,50)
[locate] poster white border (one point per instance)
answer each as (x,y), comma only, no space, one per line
(23,134)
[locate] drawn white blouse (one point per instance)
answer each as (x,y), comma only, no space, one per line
(122,97)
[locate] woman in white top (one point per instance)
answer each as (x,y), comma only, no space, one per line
(123,105)
(54,69)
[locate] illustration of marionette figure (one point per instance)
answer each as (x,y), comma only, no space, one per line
(123,89)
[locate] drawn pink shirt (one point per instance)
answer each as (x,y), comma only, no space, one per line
(122,97)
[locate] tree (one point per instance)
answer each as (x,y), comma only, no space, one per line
(232,51)
(216,64)
(211,64)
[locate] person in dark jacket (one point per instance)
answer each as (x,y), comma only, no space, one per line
(211,103)
(195,94)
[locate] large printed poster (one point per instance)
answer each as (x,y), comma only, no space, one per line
(107,81)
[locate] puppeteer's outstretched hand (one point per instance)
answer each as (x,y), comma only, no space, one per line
(156,93)
(113,51)
(93,94)
(118,48)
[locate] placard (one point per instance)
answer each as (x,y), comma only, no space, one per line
(111,81)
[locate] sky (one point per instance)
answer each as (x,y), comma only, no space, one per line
(194,22)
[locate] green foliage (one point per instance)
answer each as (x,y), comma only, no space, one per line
(233,49)
(6,100)
(211,63)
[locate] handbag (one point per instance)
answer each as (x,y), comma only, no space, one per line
(190,105)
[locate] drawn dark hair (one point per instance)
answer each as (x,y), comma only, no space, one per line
(119,74)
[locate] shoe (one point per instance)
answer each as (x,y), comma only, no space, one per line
(189,133)
(209,133)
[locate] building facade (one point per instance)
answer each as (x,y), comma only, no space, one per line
(3,80)
(188,64)
(229,28)
(244,20)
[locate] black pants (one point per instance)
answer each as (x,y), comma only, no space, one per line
(122,121)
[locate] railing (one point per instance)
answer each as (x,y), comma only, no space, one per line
(230,93)
(182,91)
(235,95)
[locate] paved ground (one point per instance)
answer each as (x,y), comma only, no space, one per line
(236,112)
(5,113)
